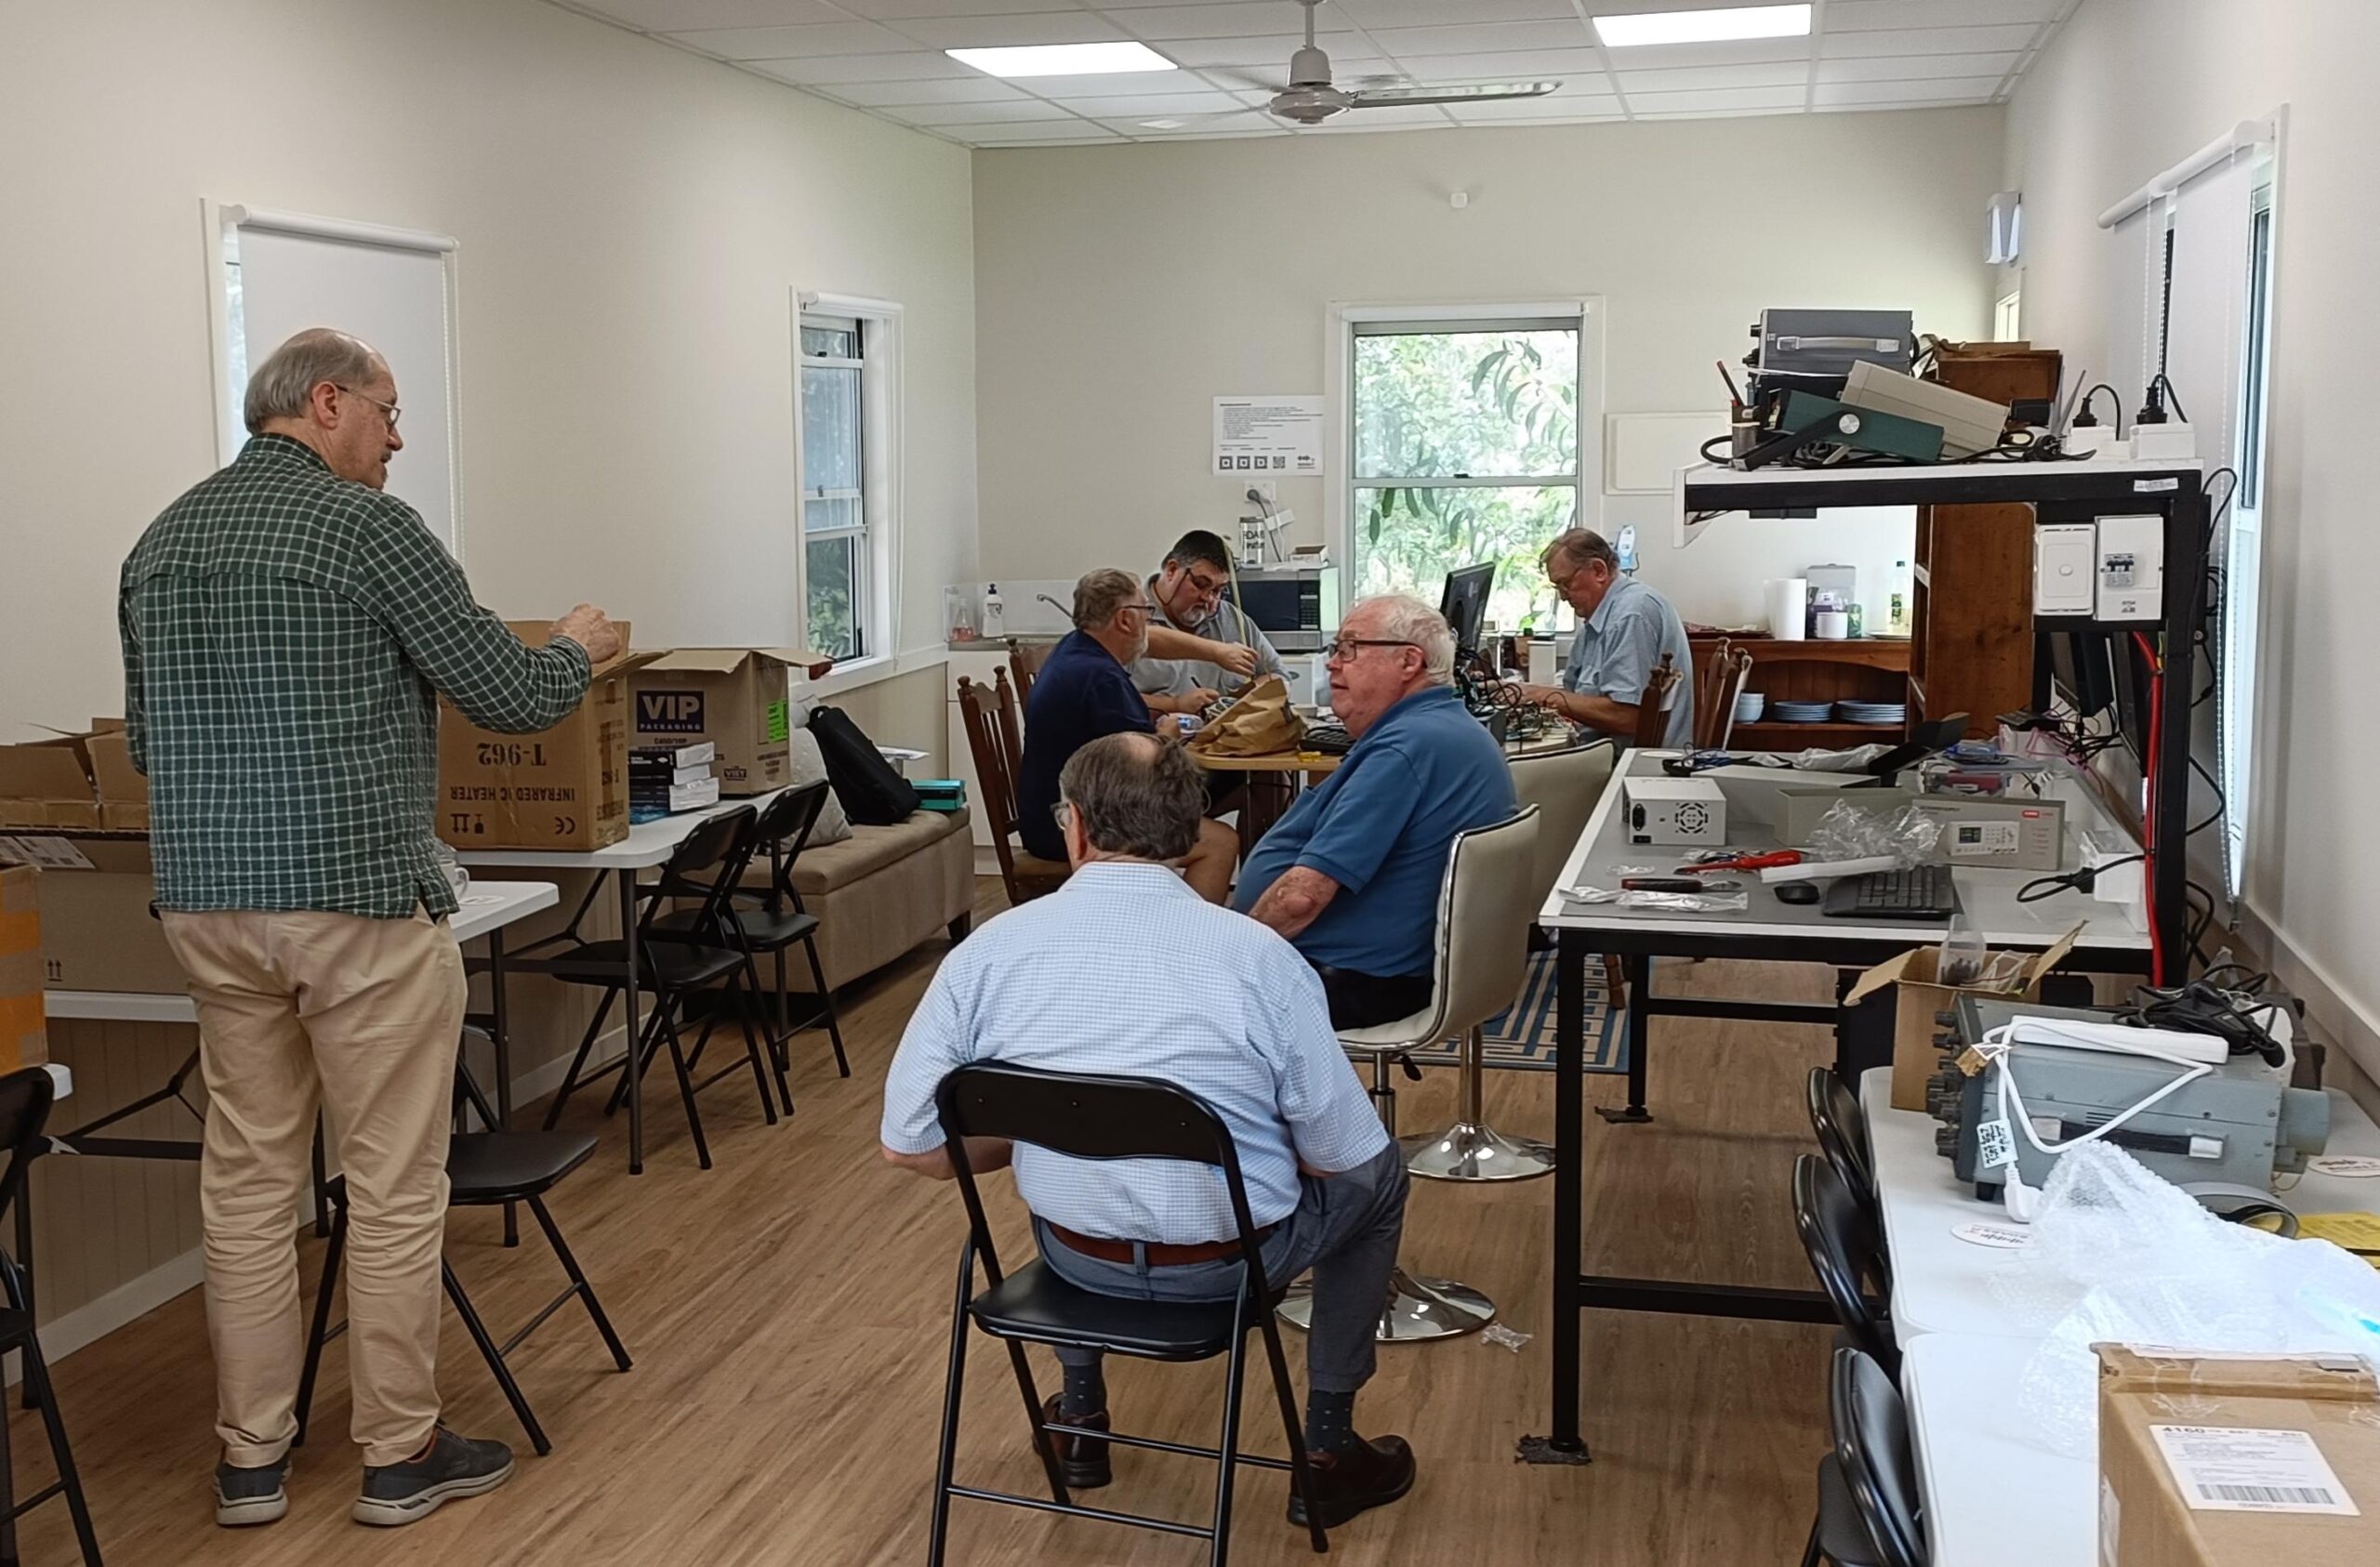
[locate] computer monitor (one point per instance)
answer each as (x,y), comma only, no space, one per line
(2082,672)
(1465,603)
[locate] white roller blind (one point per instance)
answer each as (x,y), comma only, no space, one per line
(2209,308)
(2135,290)
(387,288)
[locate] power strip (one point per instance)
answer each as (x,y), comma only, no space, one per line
(2119,1039)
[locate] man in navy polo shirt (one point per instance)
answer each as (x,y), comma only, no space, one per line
(1084,693)
(1351,874)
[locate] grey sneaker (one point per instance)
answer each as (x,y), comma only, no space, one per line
(454,1468)
(246,1496)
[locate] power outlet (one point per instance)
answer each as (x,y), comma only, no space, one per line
(1265,490)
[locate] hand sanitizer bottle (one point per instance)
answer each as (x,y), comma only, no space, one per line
(992,609)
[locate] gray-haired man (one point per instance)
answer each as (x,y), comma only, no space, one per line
(1624,627)
(287,631)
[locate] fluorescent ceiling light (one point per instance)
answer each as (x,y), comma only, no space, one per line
(1067,60)
(1163,125)
(1704,27)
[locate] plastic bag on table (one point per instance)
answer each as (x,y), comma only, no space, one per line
(2119,1254)
(1671,902)
(1906,836)
(1855,759)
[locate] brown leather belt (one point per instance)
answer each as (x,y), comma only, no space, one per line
(1160,1252)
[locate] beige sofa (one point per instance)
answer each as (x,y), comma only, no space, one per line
(880,892)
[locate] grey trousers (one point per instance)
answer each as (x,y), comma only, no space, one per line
(1346,1228)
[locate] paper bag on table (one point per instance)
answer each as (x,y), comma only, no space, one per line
(1259,724)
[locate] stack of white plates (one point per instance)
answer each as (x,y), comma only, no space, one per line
(1802,712)
(1873,712)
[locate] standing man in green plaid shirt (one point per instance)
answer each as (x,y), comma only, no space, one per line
(287,631)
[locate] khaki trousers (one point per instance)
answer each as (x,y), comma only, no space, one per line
(363,1018)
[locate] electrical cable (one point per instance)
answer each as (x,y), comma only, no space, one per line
(2233,1010)
(2149,772)
(2080,880)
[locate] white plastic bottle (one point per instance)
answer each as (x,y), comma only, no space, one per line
(1897,622)
(992,609)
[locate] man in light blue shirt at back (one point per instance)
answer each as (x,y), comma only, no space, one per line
(1624,627)
(1125,969)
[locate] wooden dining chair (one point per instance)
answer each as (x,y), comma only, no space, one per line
(1652,708)
(997,740)
(1024,661)
(1719,680)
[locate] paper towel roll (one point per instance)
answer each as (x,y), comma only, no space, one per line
(1789,608)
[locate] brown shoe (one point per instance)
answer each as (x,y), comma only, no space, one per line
(1084,1461)
(1370,1475)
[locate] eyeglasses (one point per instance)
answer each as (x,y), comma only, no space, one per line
(1145,609)
(1344,647)
(1205,587)
(1059,812)
(389,411)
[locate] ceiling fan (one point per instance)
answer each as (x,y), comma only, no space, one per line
(1310,98)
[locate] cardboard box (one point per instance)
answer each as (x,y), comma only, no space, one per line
(24,1036)
(565,788)
(739,699)
(2237,1460)
(97,932)
(76,783)
(1921,995)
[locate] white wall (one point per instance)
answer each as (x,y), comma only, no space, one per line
(1118,290)
(631,218)
(2129,88)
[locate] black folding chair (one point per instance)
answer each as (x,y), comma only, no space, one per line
(1879,1466)
(485,1169)
(24,1114)
(1103,1117)
(1847,1258)
(772,920)
(1843,1138)
(704,871)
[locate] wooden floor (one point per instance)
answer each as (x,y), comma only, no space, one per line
(789,1311)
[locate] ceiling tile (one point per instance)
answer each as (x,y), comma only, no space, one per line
(1532,65)
(1484,39)
(1272,52)
(1244,122)
(1720,114)
(1680,80)
(1004,31)
(679,16)
(1853,16)
(1148,106)
(1226,20)
(1959,89)
(1749,51)
(1928,40)
(1906,69)
(939,115)
(1749,98)
(1427,13)
(904,10)
(1120,84)
(789,43)
(1580,107)
(1039,130)
(924,65)
(971,88)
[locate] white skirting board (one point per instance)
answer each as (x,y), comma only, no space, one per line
(129,1301)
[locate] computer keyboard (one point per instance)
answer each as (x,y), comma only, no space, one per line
(1329,738)
(1919,893)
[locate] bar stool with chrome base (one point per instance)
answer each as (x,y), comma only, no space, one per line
(1480,956)
(1563,787)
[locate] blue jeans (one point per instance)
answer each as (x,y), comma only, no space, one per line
(1346,1228)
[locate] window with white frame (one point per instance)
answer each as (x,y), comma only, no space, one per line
(2240,551)
(850,467)
(1463,440)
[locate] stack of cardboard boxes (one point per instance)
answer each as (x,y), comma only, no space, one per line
(74,808)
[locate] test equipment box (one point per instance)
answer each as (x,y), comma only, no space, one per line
(1676,811)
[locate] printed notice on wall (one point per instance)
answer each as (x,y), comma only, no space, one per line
(1275,437)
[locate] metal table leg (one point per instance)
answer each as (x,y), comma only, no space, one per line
(500,1038)
(1565,1445)
(1639,970)
(634,1068)
(25,1271)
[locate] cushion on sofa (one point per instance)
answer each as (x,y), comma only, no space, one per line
(824,868)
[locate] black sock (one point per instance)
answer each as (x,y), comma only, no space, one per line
(1329,1421)
(1085,1392)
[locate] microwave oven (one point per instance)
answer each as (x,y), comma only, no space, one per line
(1296,607)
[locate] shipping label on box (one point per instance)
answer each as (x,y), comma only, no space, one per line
(24,1038)
(739,699)
(565,788)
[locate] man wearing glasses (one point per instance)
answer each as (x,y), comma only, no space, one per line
(1084,693)
(1179,674)
(1624,627)
(1351,874)
(287,631)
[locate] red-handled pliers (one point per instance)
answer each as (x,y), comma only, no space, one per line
(1746,863)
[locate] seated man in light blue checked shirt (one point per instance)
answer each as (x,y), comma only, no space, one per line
(1624,627)
(1227,1010)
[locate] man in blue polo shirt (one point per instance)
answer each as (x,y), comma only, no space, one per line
(1084,693)
(1351,874)
(1624,627)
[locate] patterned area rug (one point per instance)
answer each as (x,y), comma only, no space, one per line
(1523,1037)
